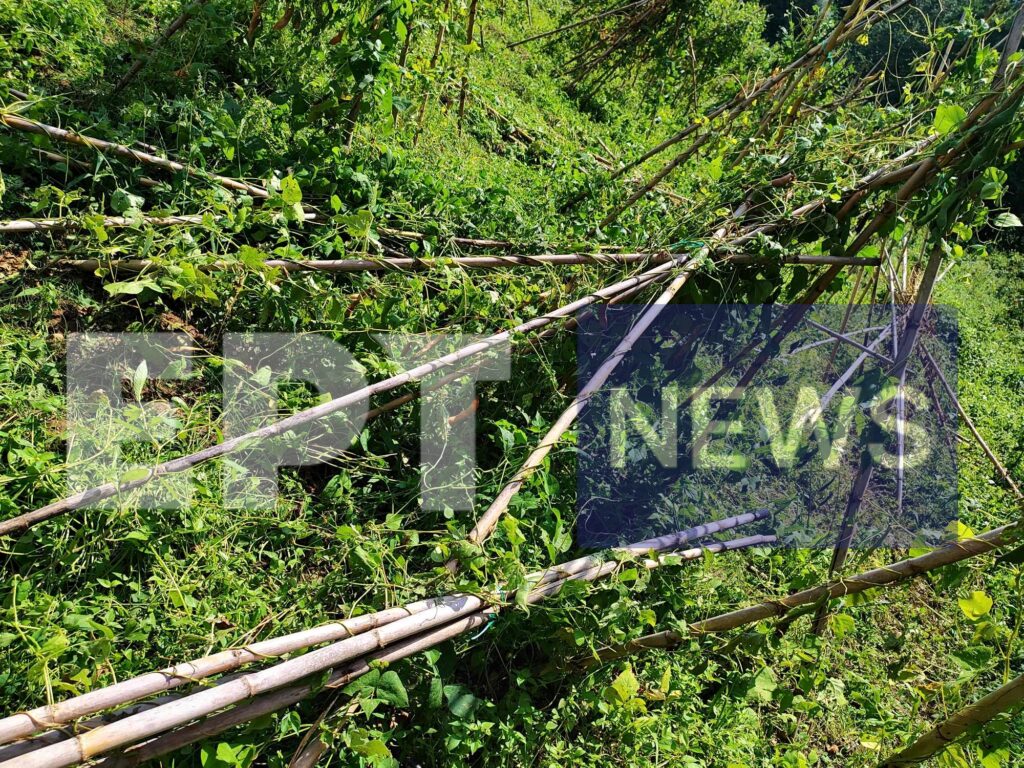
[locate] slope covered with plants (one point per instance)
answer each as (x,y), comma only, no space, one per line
(492,168)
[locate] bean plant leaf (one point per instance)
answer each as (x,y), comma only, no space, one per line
(948,117)
(1007,221)
(975,606)
(391,689)
(764,686)
(461,702)
(139,378)
(290,191)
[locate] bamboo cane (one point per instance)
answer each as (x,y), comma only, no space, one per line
(400,264)
(464,87)
(18,123)
(24,724)
(16,226)
(1003,472)
(576,24)
(170,742)
(887,575)
(981,712)
(207,701)
(183,463)
(166,35)
(842,337)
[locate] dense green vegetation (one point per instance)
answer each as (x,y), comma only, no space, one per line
(362,113)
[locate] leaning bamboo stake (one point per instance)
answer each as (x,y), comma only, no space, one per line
(438,43)
(899,571)
(983,711)
(913,178)
(166,35)
(183,463)
(841,338)
(18,123)
(907,344)
(1003,472)
(464,87)
(489,519)
(207,701)
(887,575)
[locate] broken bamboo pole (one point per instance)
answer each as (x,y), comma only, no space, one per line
(883,576)
(19,123)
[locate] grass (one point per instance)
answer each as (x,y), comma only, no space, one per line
(111,592)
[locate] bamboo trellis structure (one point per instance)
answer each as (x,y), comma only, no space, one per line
(180,711)
(159,726)
(109,490)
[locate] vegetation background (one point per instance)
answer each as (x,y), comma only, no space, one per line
(355,110)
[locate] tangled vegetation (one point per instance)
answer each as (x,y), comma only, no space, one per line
(195,167)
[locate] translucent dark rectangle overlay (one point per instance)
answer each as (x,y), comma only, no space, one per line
(715,410)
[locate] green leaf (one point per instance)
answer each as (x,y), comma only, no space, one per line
(948,117)
(975,606)
(715,169)
(290,191)
(764,686)
(134,475)
(842,625)
(434,698)
(122,201)
(461,702)
(1007,221)
(625,686)
(391,689)
(139,379)
(132,287)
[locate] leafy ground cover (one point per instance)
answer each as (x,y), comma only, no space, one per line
(111,592)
